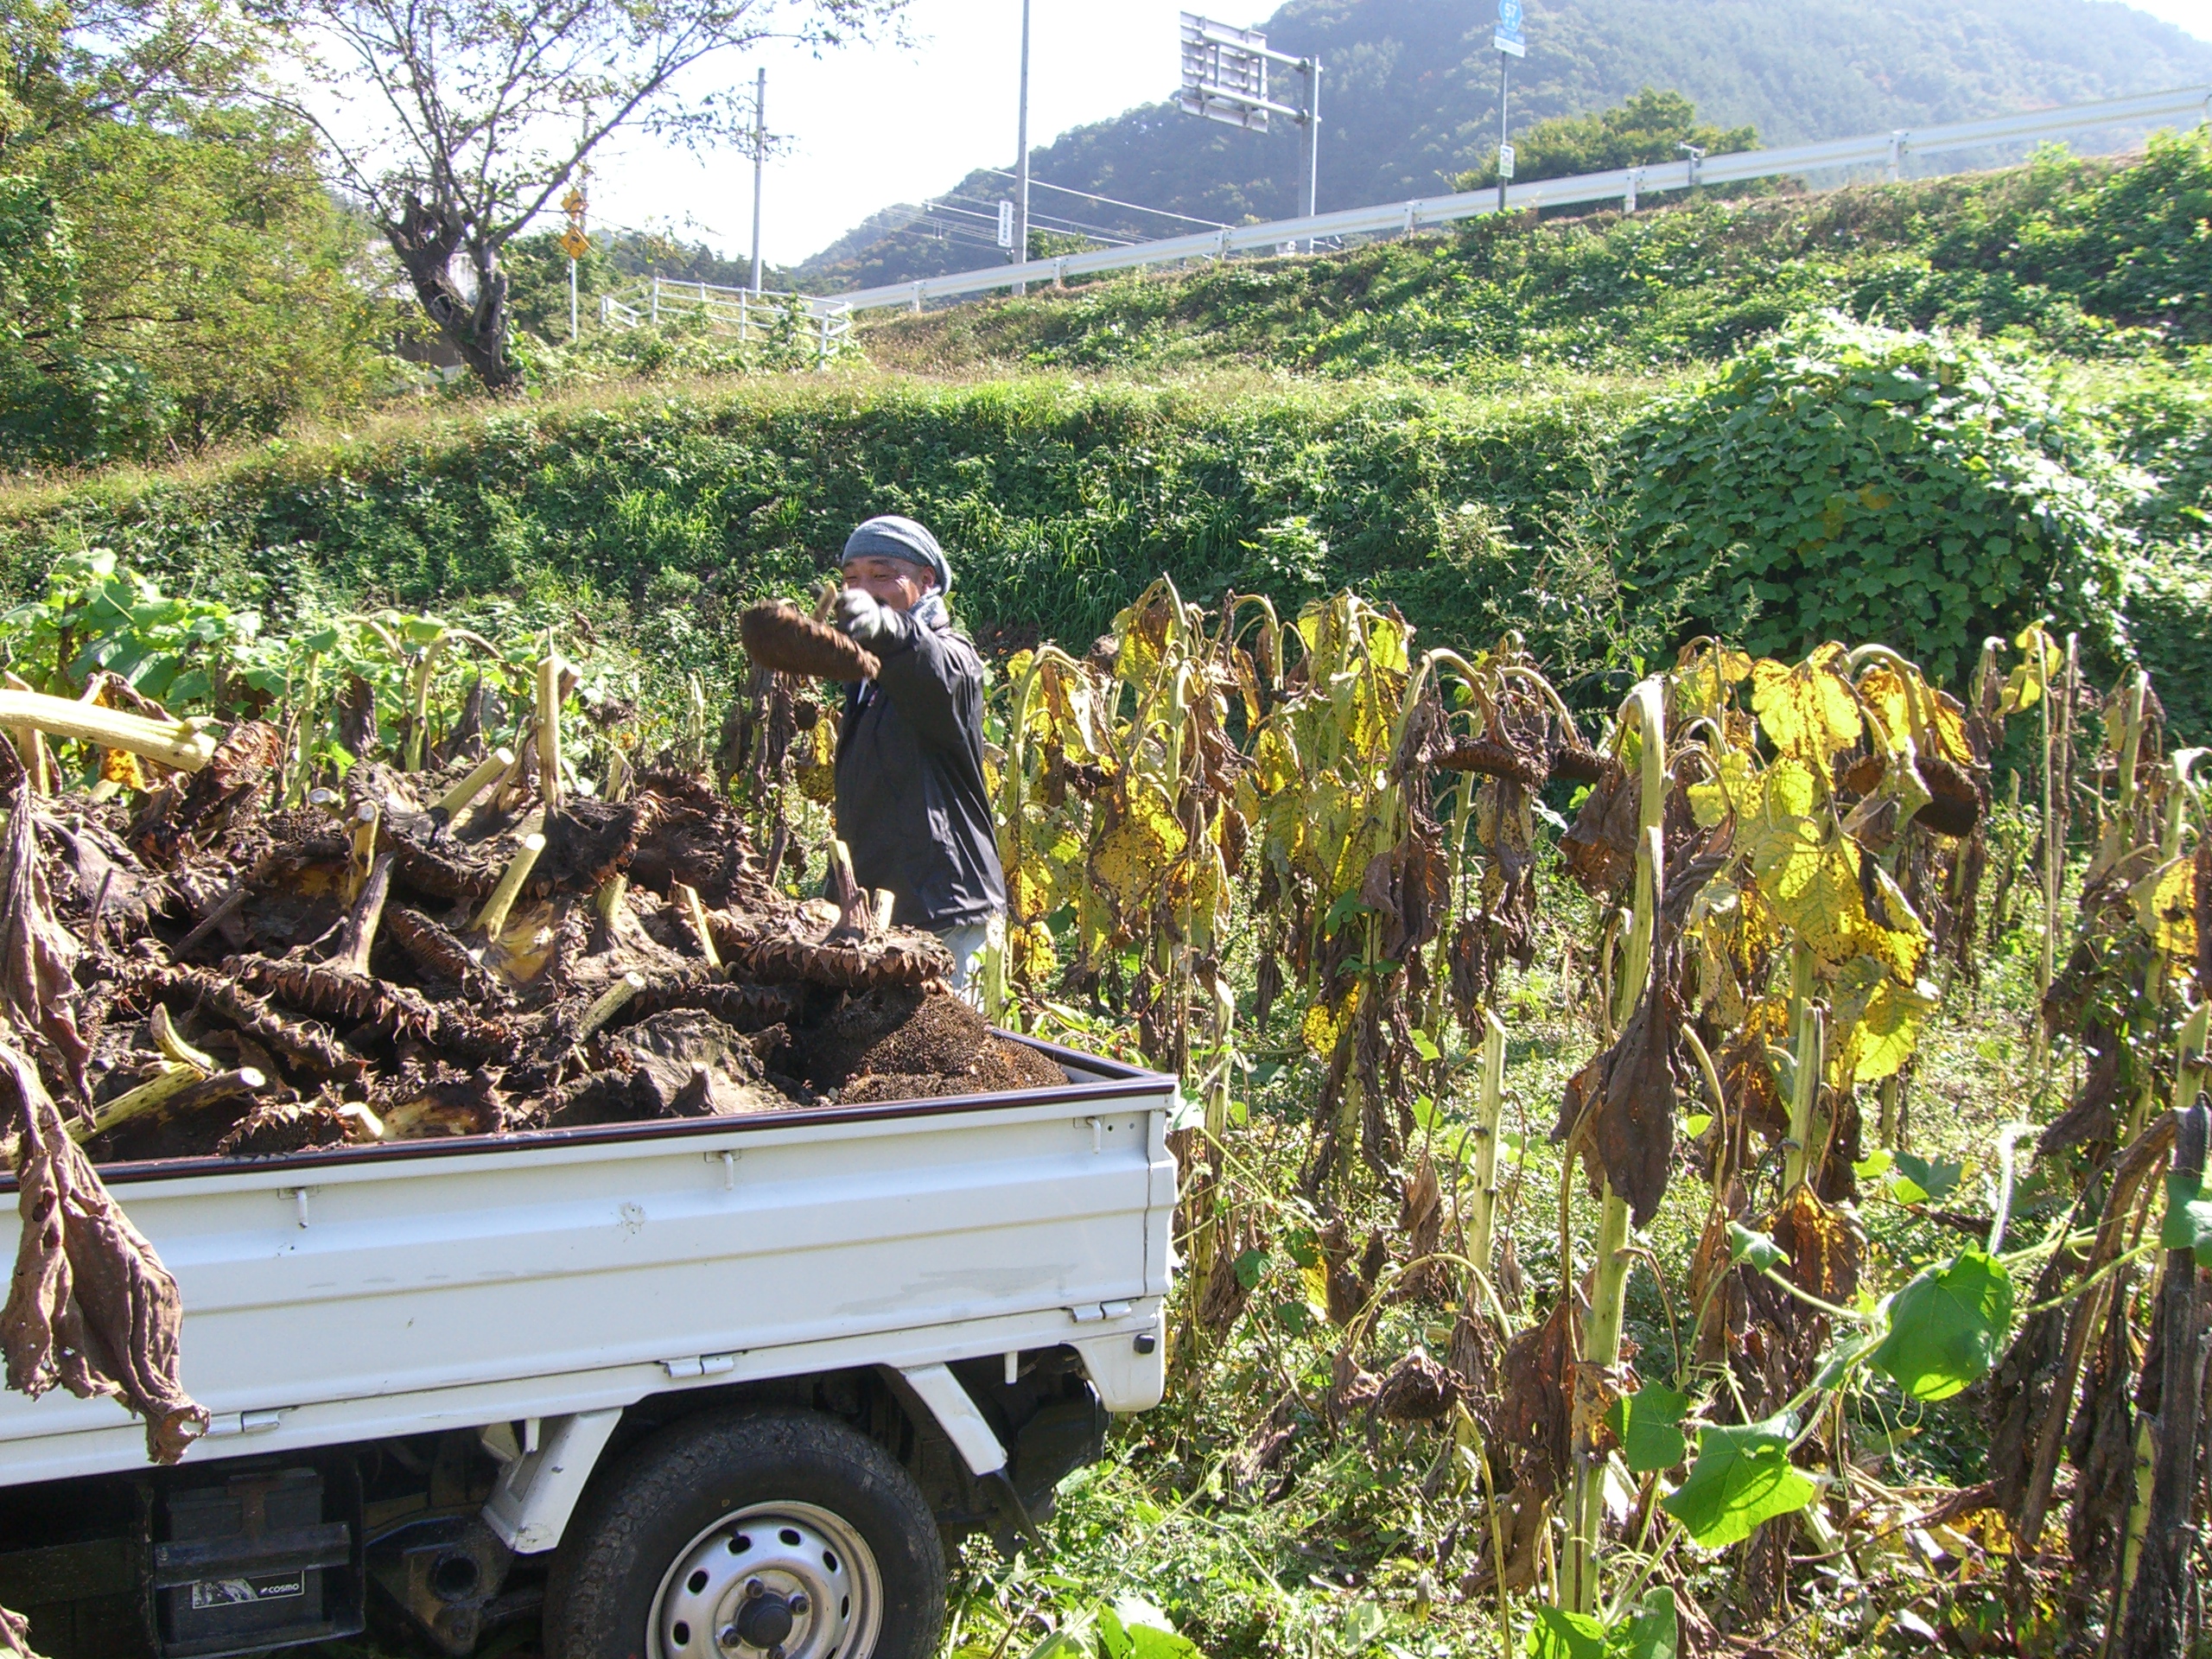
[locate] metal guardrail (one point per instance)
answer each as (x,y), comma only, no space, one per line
(2191,103)
(827,321)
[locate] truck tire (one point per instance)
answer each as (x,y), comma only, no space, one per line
(734,1535)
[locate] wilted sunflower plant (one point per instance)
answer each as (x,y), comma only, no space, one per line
(1119,821)
(1788,857)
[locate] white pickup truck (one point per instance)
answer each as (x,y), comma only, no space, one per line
(704,1389)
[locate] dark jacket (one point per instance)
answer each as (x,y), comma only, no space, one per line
(911,804)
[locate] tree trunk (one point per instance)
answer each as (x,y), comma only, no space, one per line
(426,239)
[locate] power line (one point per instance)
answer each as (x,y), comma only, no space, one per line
(1081,227)
(1092,195)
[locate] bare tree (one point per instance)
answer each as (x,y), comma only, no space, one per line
(479,111)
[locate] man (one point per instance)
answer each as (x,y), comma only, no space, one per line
(911,805)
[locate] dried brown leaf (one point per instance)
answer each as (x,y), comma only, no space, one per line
(1629,1092)
(1223,1299)
(38,989)
(91,1308)
(1528,1418)
(1599,846)
(1421,1218)
(1824,1245)
(241,764)
(1416,1390)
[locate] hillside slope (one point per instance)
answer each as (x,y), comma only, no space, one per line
(2082,257)
(1409,95)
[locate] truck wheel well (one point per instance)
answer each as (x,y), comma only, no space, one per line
(1049,1383)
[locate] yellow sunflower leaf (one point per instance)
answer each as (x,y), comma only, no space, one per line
(1805,711)
(1878,1022)
(1703,676)
(1027,894)
(1889,699)
(1134,858)
(1810,871)
(1787,789)
(2040,661)
(1324,1024)
(121,766)
(2165,903)
(1738,785)
(1030,957)
(1274,762)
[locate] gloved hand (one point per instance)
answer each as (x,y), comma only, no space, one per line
(863,617)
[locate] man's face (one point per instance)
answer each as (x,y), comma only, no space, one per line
(896,582)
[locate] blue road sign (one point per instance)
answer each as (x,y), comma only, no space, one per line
(1508,37)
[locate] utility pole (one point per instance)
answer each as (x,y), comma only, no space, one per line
(1508,40)
(1022,167)
(759,155)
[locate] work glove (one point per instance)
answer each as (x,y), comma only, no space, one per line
(864,618)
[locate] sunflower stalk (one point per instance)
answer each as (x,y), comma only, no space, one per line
(185,745)
(1490,1107)
(1646,713)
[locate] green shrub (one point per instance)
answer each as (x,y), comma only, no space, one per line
(59,400)
(1058,501)
(1650,128)
(1851,482)
(2170,613)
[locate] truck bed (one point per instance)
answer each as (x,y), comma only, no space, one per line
(362,1292)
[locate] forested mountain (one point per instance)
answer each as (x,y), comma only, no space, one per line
(1410,96)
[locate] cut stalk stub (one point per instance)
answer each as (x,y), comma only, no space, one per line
(173,1046)
(695,912)
(172,1080)
(462,795)
(365,819)
(549,732)
(493,917)
(608,1003)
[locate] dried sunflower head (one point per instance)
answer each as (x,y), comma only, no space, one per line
(778,635)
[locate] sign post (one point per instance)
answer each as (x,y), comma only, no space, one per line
(575,245)
(1225,80)
(1507,38)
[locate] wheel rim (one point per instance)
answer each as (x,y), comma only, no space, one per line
(770,1581)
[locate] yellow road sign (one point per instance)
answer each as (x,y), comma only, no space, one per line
(575,243)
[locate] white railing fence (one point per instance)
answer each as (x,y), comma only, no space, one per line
(822,323)
(2190,103)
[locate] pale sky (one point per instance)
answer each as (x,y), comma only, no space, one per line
(858,140)
(868,128)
